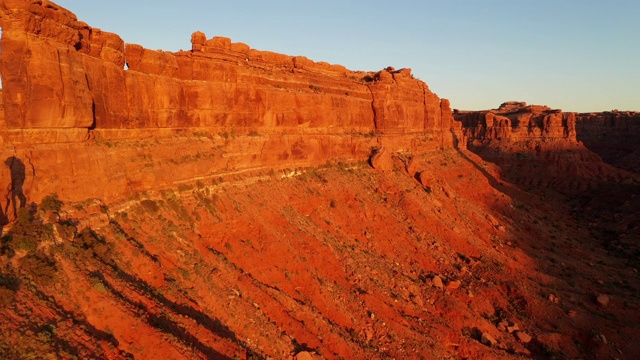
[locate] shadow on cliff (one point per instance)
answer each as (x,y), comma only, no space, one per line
(15,198)
(495,183)
(160,321)
(623,153)
(579,223)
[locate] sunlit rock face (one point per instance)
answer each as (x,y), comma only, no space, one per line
(68,83)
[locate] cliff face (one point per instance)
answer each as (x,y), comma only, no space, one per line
(75,78)
(613,136)
(91,102)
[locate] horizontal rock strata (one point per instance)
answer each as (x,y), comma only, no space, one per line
(91,116)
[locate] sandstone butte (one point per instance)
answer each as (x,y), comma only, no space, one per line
(224,202)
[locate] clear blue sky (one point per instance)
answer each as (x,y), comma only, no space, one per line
(577,55)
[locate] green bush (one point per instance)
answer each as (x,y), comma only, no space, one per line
(51,203)
(150,206)
(28,232)
(40,267)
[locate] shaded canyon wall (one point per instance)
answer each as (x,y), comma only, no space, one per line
(613,135)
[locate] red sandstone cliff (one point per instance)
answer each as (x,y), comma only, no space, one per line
(90,101)
(59,72)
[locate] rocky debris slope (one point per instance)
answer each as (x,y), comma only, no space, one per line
(602,198)
(552,157)
(434,258)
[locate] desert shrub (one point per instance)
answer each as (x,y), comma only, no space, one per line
(28,232)
(40,267)
(9,281)
(150,206)
(67,230)
(51,203)
(93,245)
(6,247)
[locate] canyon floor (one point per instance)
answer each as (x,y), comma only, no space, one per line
(339,261)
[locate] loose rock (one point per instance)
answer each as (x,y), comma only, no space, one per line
(603,300)
(381,160)
(437,282)
(453,285)
(523,337)
(303,355)
(488,340)
(502,326)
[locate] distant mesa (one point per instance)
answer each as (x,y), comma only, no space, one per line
(516,120)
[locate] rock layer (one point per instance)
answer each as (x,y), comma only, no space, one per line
(79,103)
(216,84)
(538,146)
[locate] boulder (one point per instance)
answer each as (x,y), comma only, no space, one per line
(381,160)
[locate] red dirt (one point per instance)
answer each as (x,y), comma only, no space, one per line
(339,260)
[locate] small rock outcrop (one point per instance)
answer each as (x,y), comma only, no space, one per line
(381,159)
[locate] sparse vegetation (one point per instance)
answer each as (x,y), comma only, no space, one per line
(51,203)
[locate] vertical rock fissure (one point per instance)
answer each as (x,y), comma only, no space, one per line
(373,109)
(62,80)
(93,103)
(424,105)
